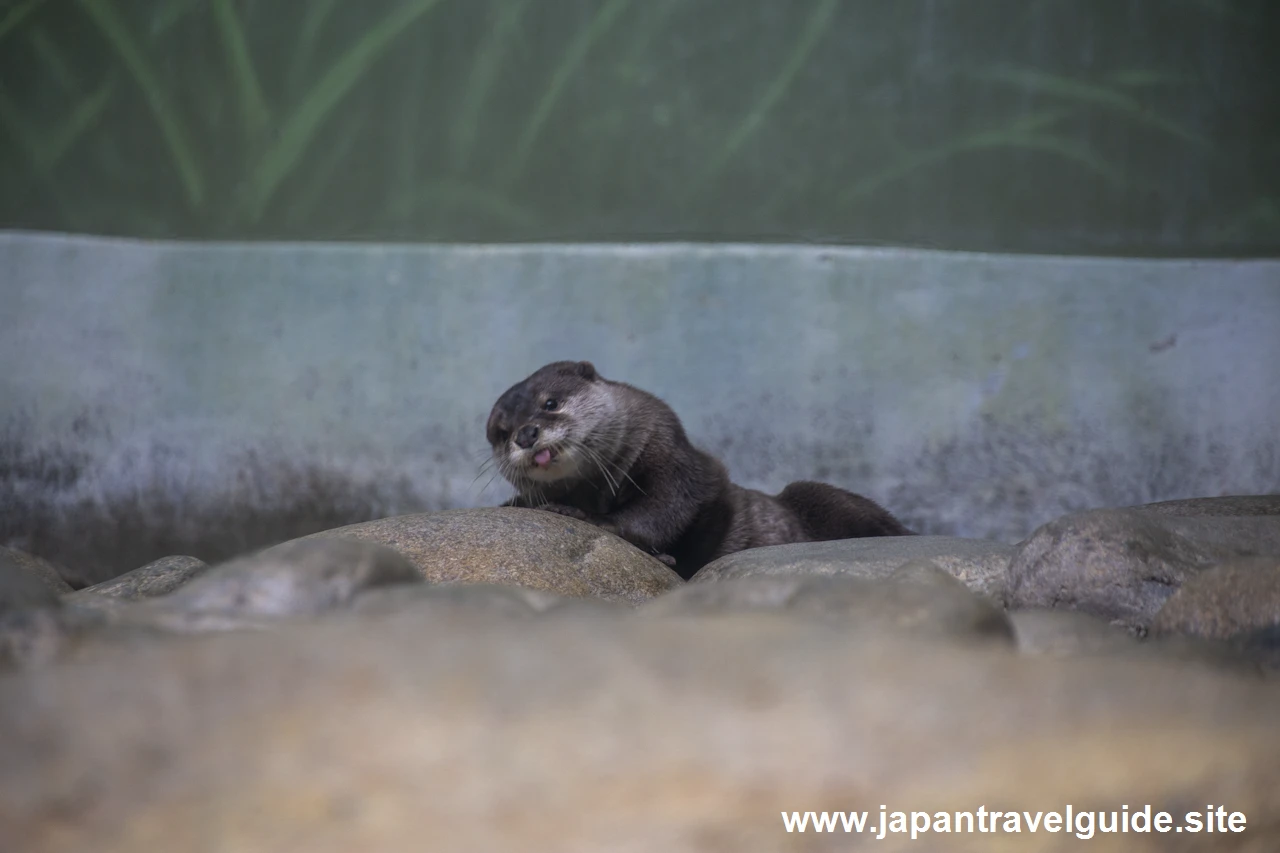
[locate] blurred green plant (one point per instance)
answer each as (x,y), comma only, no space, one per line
(848,120)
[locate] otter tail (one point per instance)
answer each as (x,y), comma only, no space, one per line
(828,512)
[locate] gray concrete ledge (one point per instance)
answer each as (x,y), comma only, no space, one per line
(175,397)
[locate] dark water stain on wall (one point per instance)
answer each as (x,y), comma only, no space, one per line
(53,503)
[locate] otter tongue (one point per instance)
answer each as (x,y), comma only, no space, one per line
(542,457)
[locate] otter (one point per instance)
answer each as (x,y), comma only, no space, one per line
(575,443)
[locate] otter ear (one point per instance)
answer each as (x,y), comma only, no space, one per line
(585,369)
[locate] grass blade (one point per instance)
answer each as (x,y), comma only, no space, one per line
(16,16)
(573,57)
(1261,219)
(484,71)
(1085,93)
(1141,78)
(254,111)
(815,27)
(77,123)
(1025,133)
(460,196)
(169,15)
(104,14)
(298,131)
(29,140)
(52,57)
(299,212)
(46,150)
(317,15)
(21,130)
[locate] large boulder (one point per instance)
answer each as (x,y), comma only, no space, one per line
(918,598)
(1124,564)
(978,563)
(520,547)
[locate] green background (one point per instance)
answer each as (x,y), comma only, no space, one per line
(1143,127)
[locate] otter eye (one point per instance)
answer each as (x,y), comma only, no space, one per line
(551,405)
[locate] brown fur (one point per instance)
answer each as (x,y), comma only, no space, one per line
(624,463)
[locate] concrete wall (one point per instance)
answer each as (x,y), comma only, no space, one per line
(174,397)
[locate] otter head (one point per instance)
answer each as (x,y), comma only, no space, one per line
(540,429)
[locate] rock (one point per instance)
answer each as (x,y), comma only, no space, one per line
(1237,597)
(1236,505)
(95,608)
(1068,633)
(467,599)
(980,564)
(254,592)
(521,547)
(1236,604)
(23,588)
(30,566)
(295,578)
(426,597)
(31,637)
(1124,564)
(574,734)
(917,598)
(1227,536)
(156,578)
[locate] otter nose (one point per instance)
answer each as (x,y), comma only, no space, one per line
(527,435)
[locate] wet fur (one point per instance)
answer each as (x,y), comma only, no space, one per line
(625,464)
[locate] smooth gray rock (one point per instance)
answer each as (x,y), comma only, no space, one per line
(23,588)
(1225,537)
(295,578)
(1242,505)
(980,564)
(254,592)
(431,600)
(680,735)
(520,547)
(1235,605)
(159,577)
(1233,598)
(918,598)
(1124,564)
(15,562)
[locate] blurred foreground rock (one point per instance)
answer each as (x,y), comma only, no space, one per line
(579,734)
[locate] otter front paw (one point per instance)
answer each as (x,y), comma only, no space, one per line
(563,509)
(601,521)
(667,560)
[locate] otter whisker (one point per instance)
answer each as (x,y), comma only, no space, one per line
(618,468)
(487,484)
(600,464)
